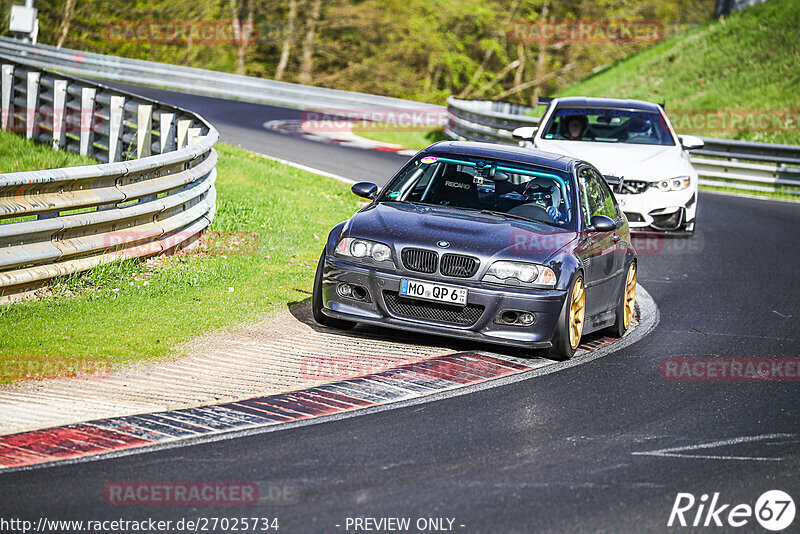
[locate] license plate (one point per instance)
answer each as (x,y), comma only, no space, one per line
(435,292)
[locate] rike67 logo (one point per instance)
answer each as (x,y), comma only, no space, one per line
(774,510)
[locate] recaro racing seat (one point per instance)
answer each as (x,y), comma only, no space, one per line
(456,188)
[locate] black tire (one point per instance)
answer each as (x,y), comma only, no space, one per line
(562,349)
(619,327)
(316,302)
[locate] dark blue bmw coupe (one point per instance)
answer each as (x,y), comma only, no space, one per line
(484,242)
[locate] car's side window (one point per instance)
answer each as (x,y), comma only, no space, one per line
(588,195)
(596,197)
(610,207)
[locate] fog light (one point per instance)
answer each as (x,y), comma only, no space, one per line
(515,318)
(354,292)
(344,290)
(525,319)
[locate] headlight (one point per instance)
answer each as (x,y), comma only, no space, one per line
(674,184)
(529,273)
(361,248)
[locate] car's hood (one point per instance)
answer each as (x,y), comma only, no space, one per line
(486,236)
(640,162)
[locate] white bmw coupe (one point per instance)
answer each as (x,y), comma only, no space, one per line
(635,147)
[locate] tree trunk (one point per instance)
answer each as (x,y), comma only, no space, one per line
(69,10)
(521,66)
(307,63)
(540,62)
(287,41)
(242,33)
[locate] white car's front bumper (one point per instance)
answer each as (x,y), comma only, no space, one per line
(659,210)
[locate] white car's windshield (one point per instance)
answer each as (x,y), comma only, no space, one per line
(608,125)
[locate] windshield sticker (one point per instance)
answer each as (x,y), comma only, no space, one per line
(566,112)
(394,194)
(429,159)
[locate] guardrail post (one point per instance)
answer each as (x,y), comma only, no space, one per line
(59,114)
(88,96)
(115,112)
(183,133)
(194,135)
(166,125)
(7,82)
(144,130)
(32,101)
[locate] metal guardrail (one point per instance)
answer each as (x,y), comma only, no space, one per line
(199,81)
(153,192)
(762,167)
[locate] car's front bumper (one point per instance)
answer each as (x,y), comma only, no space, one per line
(546,305)
(672,211)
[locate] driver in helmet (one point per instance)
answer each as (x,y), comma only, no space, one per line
(546,194)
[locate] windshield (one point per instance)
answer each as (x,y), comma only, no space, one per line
(608,126)
(493,187)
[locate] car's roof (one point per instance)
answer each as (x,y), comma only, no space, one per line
(616,103)
(527,156)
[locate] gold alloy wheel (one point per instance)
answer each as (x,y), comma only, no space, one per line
(630,295)
(576,311)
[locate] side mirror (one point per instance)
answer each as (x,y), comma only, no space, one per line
(366,190)
(690,142)
(524,133)
(601,223)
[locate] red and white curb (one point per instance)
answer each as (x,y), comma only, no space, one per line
(432,379)
(136,431)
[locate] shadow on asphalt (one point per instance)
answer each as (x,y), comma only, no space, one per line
(301,310)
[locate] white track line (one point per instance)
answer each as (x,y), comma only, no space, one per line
(305,168)
(678,452)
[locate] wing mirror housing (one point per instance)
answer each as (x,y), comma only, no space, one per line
(524,133)
(601,223)
(691,142)
(366,190)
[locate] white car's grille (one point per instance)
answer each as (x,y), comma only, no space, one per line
(632,187)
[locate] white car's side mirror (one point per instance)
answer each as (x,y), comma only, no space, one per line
(524,133)
(690,142)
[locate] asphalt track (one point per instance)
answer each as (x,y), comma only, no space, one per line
(599,447)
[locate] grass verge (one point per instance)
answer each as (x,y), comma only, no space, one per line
(260,255)
(20,154)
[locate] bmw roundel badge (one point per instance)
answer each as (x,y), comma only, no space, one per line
(443,244)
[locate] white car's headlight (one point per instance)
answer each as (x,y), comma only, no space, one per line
(674,184)
(528,273)
(362,248)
